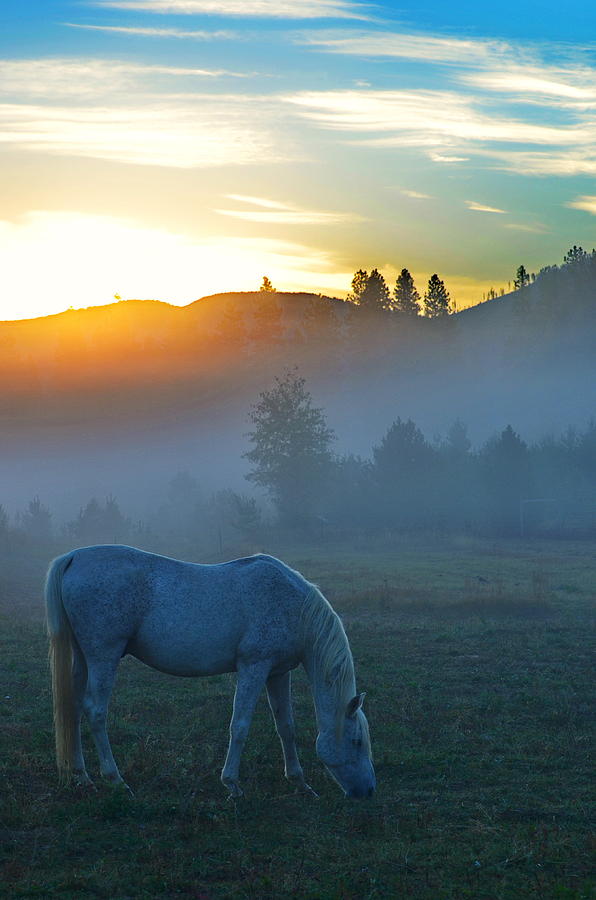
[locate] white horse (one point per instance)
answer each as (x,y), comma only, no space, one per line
(254,616)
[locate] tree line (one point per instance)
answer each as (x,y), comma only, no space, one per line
(505,487)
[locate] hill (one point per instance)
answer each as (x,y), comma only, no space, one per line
(107,397)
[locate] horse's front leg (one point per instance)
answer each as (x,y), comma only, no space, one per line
(248,687)
(279,692)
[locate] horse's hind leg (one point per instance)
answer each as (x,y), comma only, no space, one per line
(79,676)
(279,693)
(100,681)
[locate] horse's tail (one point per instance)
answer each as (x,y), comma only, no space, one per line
(61,638)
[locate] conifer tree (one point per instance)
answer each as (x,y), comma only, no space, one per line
(437,301)
(359,282)
(406,297)
(522,278)
(575,254)
(267,287)
(375,295)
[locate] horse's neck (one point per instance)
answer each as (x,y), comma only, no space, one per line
(324,697)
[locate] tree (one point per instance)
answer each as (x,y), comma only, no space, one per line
(437,301)
(376,293)
(291,448)
(522,278)
(506,470)
(574,255)
(359,282)
(406,297)
(404,472)
(267,287)
(37,520)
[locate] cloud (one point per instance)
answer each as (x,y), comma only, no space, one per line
(537,228)
(274,213)
(572,161)
(213,131)
(53,77)
(587,203)
(157,32)
(416,195)
(572,88)
(442,157)
(480,207)
(276,9)
(424,117)
(428,48)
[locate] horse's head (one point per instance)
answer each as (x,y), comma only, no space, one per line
(346,755)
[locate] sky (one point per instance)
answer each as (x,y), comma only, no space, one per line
(170,149)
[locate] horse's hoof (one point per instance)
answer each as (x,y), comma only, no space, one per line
(81,779)
(306,789)
(118,784)
(235,790)
(301,787)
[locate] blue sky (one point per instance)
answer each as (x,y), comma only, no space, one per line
(170,149)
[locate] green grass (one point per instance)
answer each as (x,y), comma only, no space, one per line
(476,659)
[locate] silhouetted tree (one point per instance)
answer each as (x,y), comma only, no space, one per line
(291,447)
(266,286)
(406,297)
(437,301)
(574,255)
(359,282)
(376,293)
(522,278)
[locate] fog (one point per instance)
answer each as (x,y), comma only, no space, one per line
(115,401)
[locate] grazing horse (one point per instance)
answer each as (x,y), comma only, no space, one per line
(254,616)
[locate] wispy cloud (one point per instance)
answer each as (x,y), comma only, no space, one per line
(415,195)
(536,228)
(571,161)
(572,88)
(481,207)
(428,48)
(54,77)
(216,131)
(445,158)
(157,32)
(276,9)
(587,203)
(275,213)
(427,117)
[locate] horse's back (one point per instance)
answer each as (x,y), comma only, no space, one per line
(183,617)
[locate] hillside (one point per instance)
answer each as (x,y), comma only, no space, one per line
(97,396)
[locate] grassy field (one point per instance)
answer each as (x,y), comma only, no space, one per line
(476,658)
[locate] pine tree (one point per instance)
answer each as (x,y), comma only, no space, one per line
(437,301)
(522,278)
(406,297)
(376,293)
(267,287)
(359,282)
(575,254)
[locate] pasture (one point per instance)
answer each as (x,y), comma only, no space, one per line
(477,662)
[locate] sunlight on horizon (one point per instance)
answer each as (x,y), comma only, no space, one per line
(85,260)
(90,260)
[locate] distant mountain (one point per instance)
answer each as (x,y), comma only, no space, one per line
(109,397)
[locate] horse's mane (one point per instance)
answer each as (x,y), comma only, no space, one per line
(332,657)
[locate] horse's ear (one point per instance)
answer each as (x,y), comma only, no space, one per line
(354,705)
